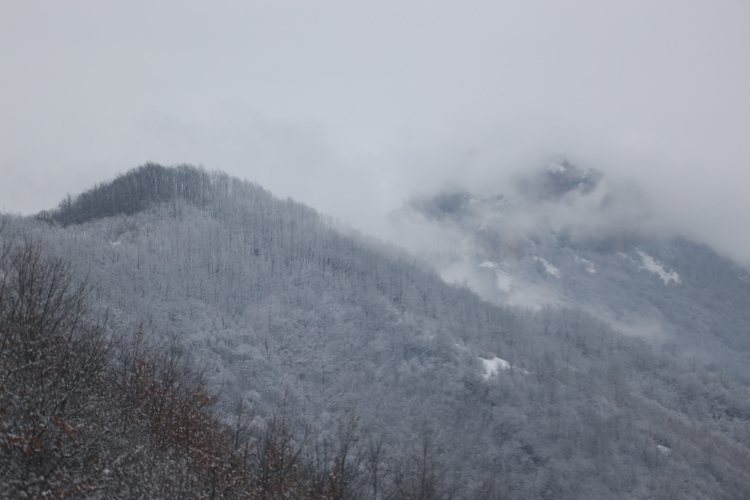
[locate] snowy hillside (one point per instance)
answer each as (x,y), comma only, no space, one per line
(564,237)
(424,389)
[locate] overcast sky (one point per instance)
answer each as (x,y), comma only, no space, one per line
(350,106)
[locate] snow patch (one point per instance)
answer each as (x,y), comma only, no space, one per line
(652,265)
(503,280)
(548,267)
(493,366)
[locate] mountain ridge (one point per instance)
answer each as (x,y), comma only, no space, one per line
(279,307)
(590,246)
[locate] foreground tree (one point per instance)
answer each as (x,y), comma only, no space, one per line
(79,418)
(52,360)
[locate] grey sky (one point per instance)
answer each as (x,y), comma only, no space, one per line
(351,106)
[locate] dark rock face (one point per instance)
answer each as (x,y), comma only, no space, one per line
(557,180)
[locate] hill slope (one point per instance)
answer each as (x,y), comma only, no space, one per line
(282,309)
(563,236)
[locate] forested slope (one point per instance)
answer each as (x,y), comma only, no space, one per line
(568,237)
(403,385)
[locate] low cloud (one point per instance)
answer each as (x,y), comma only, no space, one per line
(356,108)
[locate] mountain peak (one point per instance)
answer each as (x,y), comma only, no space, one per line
(558,179)
(560,182)
(141,188)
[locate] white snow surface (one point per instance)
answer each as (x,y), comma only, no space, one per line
(503,280)
(493,366)
(652,265)
(548,267)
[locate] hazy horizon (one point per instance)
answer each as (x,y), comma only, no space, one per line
(354,108)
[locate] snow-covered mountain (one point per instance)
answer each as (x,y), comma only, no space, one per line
(426,389)
(564,237)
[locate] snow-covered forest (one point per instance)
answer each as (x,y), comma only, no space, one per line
(176,333)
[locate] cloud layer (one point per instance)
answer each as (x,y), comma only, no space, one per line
(353,108)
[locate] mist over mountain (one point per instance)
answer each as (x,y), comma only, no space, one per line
(517,383)
(564,236)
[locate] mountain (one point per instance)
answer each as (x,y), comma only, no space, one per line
(564,237)
(392,380)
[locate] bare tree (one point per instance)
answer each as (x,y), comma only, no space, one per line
(51,357)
